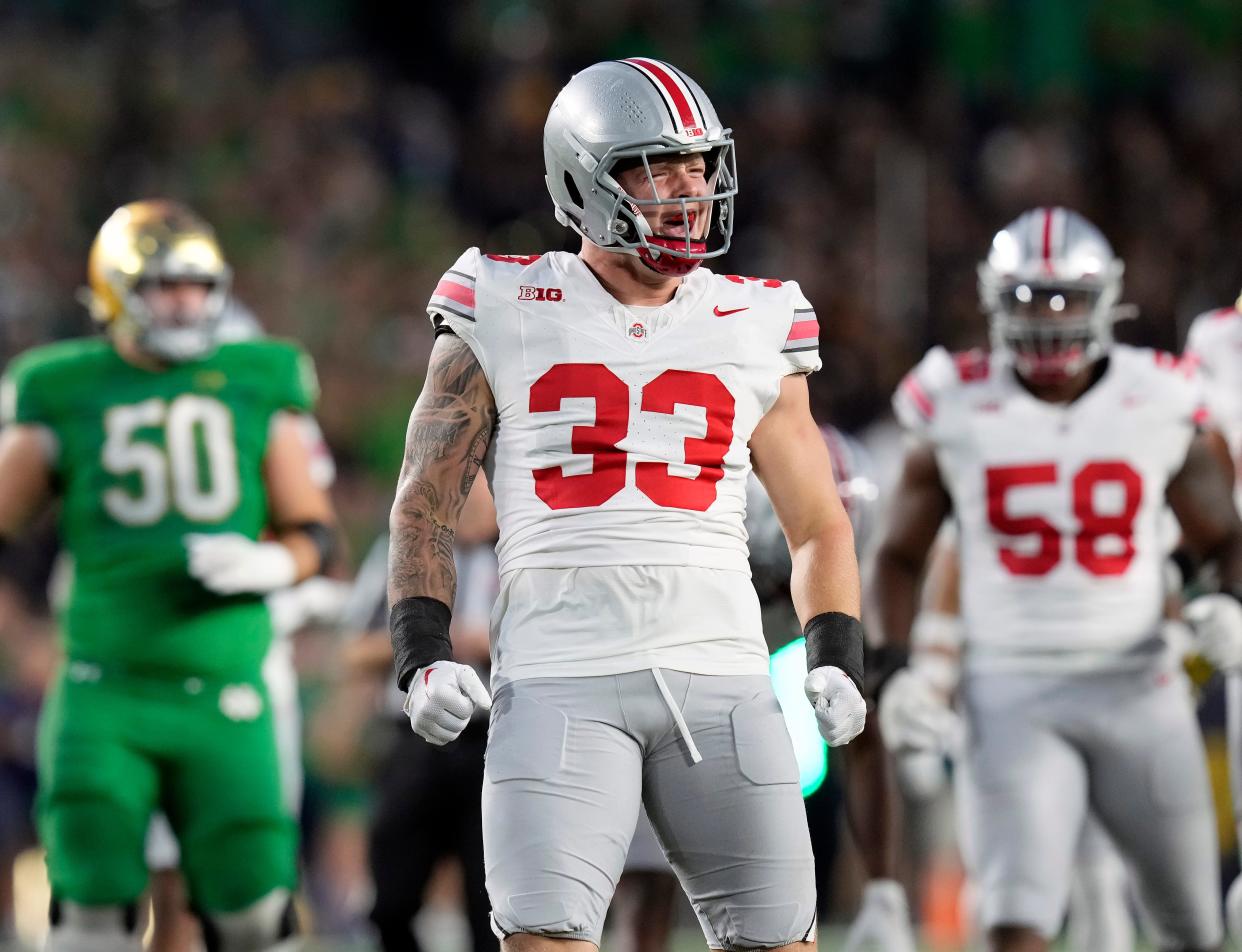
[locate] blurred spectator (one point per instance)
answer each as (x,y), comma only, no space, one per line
(426,799)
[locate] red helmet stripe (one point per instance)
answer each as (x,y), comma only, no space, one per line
(1048,238)
(672,90)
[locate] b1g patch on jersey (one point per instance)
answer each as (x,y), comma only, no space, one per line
(527,292)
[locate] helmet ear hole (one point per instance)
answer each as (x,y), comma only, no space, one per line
(572,188)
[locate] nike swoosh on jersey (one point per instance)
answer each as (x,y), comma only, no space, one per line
(719,313)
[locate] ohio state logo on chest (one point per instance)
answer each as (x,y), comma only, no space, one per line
(528,292)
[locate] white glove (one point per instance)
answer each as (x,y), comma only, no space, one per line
(883,920)
(1233,911)
(839,709)
(316,601)
(914,715)
(1179,639)
(1217,623)
(936,648)
(228,563)
(442,699)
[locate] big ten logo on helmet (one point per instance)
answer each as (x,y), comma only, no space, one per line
(528,293)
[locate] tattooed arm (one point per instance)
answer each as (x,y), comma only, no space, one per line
(450,429)
(449,432)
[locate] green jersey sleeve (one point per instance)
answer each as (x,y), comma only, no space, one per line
(297,384)
(281,371)
(21,392)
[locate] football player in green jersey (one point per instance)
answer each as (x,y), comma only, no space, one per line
(186,496)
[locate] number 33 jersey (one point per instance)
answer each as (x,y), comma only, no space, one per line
(141,458)
(622,442)
(1059,507)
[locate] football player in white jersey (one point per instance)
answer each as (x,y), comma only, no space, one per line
(618,399)
(1056,454)
(1214,344)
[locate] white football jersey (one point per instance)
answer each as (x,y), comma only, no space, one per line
(1058,507)
(1214,343)
(622,441)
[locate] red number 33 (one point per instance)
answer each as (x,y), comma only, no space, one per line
(612,423)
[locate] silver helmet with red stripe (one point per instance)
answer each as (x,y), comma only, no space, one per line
(1050,285)
(626,114)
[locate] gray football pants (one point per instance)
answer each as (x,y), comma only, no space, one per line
(568,761)
(1125,744)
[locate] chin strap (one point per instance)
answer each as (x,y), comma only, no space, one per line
(671,265)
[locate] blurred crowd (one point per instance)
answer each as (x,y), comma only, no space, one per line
(347,152)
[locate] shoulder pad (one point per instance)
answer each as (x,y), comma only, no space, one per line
(972,365)
(800,349)
(454,294)
(761,282)
(284,366)
(1208,329)
(1176,381)
(519,260)
(1185,366)
(922,389)
(36,381)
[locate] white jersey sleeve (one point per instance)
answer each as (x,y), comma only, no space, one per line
(1214,345)
(917,401)
(453,303)
(801,347)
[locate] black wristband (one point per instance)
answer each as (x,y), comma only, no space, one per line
(419,627)
(881,664)
(323,536)
(836,639)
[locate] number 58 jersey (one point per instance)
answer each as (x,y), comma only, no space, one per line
(623,431)
(1060,507)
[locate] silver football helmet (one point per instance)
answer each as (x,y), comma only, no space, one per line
(1050,286)
(627,112)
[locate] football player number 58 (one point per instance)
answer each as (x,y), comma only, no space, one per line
(194,472)
(1094,526)
(612,423)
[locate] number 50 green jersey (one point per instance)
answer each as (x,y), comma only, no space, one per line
(141,458)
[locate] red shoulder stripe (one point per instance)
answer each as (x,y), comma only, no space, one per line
(914,390)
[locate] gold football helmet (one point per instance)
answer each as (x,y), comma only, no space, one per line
(150,242)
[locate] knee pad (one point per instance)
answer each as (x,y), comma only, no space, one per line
(77,928)
(259,926)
